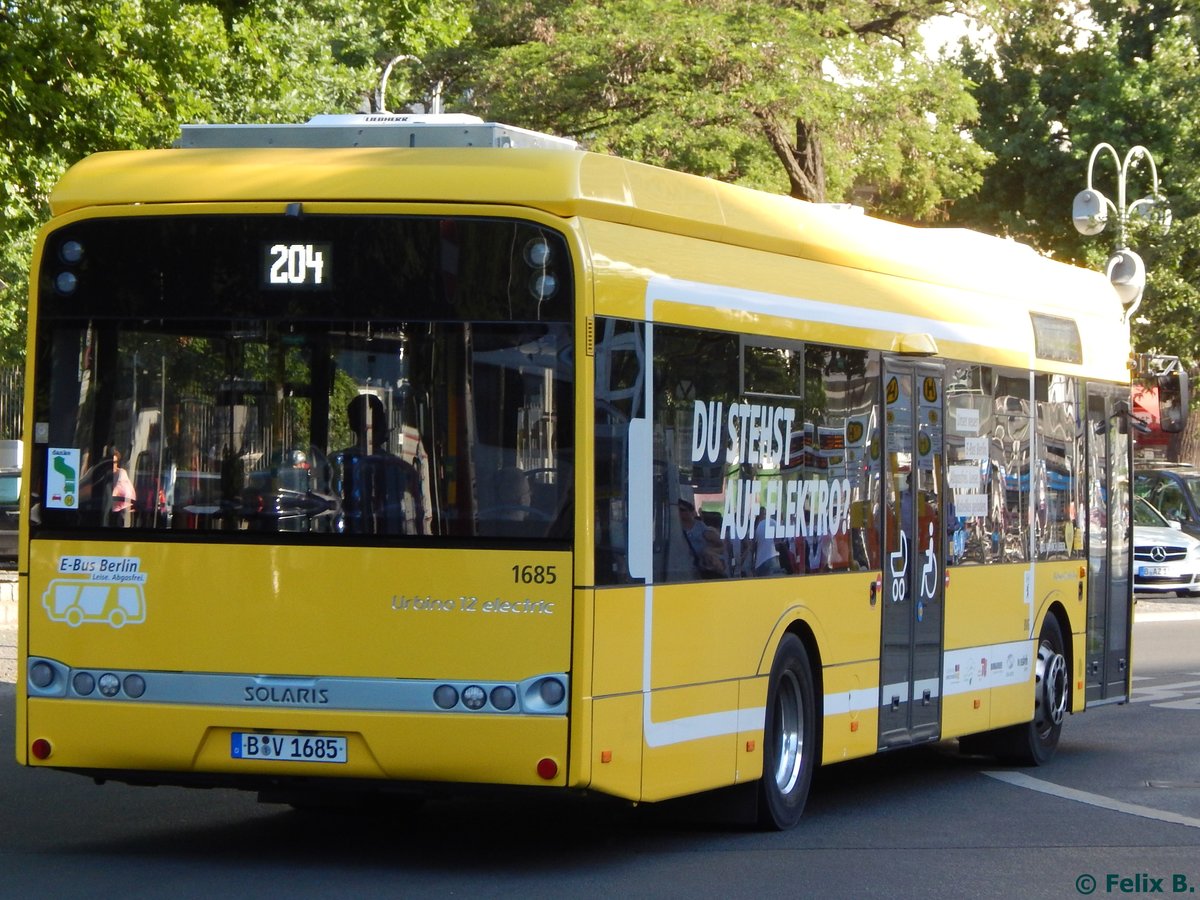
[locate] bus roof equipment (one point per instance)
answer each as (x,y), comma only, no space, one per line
(374,130)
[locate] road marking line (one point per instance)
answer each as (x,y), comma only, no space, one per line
(1017,779)
(1165,616)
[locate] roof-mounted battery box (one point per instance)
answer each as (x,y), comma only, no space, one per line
(373,130)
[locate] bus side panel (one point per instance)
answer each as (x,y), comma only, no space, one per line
(685,727)
(752,695)
(991,625)
(616,746)
(1055,583)
(689,748)
(613,747)
(850,710)
(985,608)
(618,642)
(705,638)
(986,604)
(965,713)
(714,630)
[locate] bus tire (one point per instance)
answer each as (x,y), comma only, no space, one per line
(789,738)
(1033,743)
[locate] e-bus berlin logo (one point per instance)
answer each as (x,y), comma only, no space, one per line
(97,589)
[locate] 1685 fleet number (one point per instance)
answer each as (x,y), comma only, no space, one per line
(534,574)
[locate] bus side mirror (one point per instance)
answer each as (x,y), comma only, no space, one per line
(1173,401)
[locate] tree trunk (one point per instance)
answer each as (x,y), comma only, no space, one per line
(802,159)
(1185,447)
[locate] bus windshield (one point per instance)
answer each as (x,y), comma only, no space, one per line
(399,377)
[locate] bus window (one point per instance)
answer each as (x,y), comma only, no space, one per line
(238,407)
(766,458)
(1057,500)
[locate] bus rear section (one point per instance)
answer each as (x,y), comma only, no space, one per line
(302,498)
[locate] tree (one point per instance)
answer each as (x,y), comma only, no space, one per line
(80,77)
(90,75)
(824,101)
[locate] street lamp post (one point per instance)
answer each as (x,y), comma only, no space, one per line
(1090,213)
(381,91)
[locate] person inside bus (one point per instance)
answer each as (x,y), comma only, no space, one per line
(704,542)
(123,494)
(766,549)
(513,495)
(714,562)
(380,492)
(692,524)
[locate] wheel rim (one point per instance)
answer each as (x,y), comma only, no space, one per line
(789,733)
(1053,688)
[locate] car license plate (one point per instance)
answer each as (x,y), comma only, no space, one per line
(288,747)
(1153,571)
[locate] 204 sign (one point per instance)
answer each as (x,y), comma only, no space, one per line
(298,266)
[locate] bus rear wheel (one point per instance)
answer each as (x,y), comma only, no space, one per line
(789,739)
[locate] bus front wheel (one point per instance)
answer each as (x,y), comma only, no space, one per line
(789,738)
(1052,699)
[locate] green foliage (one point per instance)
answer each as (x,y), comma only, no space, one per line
(700,85)
(82,76)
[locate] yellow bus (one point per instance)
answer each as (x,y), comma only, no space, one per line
(394,453)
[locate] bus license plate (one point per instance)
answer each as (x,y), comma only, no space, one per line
(1153,571)
(288,747)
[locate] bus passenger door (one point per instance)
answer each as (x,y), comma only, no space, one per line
(914,555)
(1110,606)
